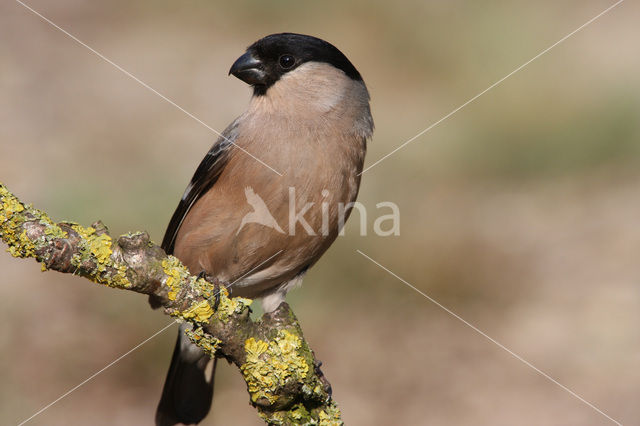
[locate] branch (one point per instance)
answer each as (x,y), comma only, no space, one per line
(283,378)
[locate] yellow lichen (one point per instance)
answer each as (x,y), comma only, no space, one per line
(121,279)
(254,348)
(199,312)
(208,343)
(97,248)
(229,306)
(269,365)
(12,218)
(176,272)
(330,417)
(10,204)
(11,225)
(93,247)
(204,288)
(24,247)
(299,414)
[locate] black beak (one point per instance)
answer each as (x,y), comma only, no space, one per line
(248,69)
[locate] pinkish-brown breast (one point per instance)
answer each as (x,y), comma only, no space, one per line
(318,145)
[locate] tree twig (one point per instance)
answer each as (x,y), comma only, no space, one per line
(283,378)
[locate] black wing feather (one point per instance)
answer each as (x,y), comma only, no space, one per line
(203,179)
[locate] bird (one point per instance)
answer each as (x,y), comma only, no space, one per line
(301,142)
(260,213)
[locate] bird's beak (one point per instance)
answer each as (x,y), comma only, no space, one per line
(248,69)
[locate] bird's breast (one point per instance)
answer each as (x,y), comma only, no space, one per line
(258,228)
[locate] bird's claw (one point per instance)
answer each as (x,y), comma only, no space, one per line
(216,288)
(216,295)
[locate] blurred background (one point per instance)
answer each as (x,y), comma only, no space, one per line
(519,213)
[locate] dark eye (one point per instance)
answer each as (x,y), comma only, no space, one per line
(287,61)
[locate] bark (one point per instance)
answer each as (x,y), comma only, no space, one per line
(283,377)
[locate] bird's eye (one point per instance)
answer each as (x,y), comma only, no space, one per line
(287,61)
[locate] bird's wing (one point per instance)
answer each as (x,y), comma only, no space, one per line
(203,179)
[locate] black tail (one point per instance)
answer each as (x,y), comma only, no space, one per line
(186,397)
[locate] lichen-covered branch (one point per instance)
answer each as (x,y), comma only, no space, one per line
(283,377)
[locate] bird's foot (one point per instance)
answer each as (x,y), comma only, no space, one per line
(323,379)
(216,288)
(216,295)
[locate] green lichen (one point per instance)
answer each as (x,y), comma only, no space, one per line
(297,415)
(269,365)
(300,415)
(55,232)
(330,416)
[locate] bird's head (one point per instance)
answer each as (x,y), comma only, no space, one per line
(270,58)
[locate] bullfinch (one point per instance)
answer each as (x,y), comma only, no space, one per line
(272,193)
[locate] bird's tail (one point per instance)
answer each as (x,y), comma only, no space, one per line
(187,394)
